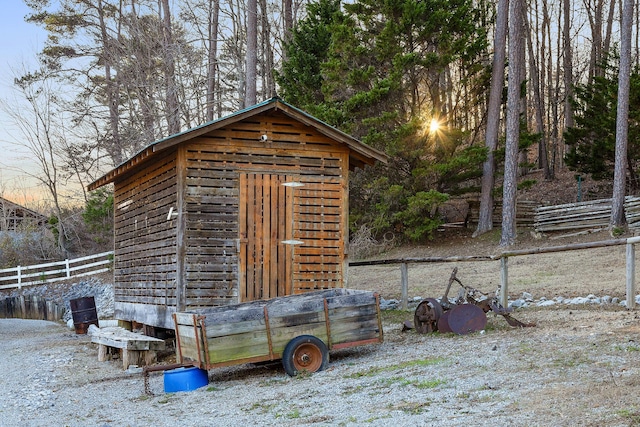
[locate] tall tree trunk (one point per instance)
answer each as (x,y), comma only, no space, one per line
(550,87)
(485,219)
(554,101)
(567,74)
(173,112)
(267,63)
(509,186)
(594,12)
(523,160)
(622,116)
(637,44)
(112,89)
(287,10)
(251,62)
(534,73)
(607,36)
(212,60)
(238,56)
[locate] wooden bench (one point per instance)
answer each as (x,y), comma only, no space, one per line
(134,349)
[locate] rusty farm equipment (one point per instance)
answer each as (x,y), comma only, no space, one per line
(466,314)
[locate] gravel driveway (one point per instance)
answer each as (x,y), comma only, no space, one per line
(578,367)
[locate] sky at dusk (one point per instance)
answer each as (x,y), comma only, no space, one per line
(19,44)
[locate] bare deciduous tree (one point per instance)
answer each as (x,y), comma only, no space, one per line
(42,126)
(212,57)
(251,62)
(172,111)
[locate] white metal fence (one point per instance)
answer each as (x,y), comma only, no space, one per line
(55,271)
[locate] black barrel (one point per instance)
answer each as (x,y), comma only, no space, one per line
(84,313)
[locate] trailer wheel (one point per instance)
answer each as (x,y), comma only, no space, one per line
(305,353)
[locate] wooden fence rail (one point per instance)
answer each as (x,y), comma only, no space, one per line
(504,265)
(55,271)
(591,214)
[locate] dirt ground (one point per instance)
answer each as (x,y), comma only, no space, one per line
(578,367)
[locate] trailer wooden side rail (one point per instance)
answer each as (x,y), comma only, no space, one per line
(269,330)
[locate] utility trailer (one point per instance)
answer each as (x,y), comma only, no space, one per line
(299,329)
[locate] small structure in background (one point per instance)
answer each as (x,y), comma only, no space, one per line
(250,206)
(14,217)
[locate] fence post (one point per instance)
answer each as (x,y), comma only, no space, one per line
(404,277)
(66,263)
(19,270)
(504,279)
(631,275)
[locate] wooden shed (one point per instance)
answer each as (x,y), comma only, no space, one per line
(250,206)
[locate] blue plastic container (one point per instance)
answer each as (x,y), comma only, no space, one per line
(185,379)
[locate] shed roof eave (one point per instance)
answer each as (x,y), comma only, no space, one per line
(369,154)
(365,153)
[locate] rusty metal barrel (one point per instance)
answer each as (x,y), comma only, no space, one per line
(84,313)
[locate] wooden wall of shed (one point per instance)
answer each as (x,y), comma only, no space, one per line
(145,242)
(212,196)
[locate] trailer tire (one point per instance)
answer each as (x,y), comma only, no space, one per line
(305,353)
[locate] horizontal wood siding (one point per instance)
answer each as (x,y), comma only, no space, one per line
(145,245)
(211,204)
(214,164)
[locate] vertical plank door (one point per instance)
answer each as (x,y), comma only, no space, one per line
(265,222)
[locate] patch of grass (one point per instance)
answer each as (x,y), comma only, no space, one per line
(428,384)
(350,420)
(631,347)
(633,415)
(496,322)
(375,370)
(372,419)
(413,408)
(525,348)
(352,390)
(260,407)
(303,375)
(485,399)
(617,231)
(295,414)
(396,316)
(415,383)
(271,382)
(570,360)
